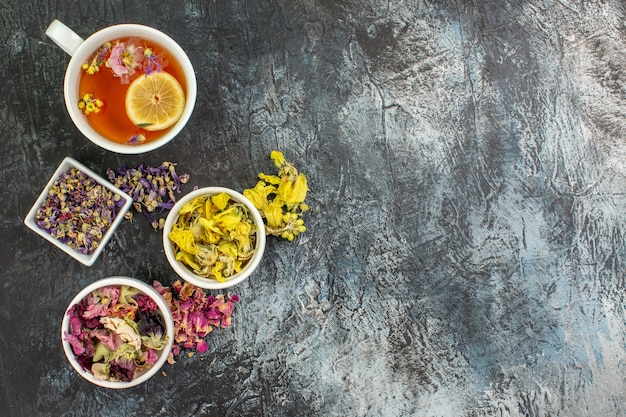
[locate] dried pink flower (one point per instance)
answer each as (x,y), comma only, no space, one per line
(146,303)
(112,294)
(125,59)
(151,356)
(202,346)
(111,340)
(104,328)
(195,315)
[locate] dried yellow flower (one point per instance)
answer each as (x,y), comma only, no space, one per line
(214,236)
(280,198)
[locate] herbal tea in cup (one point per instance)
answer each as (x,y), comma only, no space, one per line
(128,88)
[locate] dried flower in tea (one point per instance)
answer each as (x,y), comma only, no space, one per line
(125,59)
(89,104)
(137,139)
(98,59)
(153,62)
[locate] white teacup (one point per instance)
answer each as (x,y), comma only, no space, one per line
(82,50)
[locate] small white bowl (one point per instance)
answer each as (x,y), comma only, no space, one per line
(209,283)
(163,309)
(86,259)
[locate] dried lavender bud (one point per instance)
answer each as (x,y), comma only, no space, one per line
(152,189)
(78,211)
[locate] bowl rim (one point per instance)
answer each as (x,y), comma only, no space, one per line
(209,283)
(86,259)
(146,289)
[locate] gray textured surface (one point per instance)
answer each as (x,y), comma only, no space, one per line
(465,253)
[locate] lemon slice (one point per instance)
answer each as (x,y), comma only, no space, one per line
(155,101)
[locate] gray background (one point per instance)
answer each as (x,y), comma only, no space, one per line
(465,251)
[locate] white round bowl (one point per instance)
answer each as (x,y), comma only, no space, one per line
(209,283)
(163,309)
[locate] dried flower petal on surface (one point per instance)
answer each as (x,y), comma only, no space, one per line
(152,189)
(280,199)
(214,236)
(195,314)
(115,335)
(78,211)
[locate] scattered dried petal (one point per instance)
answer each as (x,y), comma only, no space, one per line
(153,189)
(195,315)
(280,199)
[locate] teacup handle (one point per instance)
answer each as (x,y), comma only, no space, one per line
(63,36)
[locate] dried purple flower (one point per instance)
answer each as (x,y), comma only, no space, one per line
(153,63)
(137,139)
(78,211)
(152,189)
(150,324)
(122,370)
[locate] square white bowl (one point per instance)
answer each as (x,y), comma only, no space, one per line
(86,259)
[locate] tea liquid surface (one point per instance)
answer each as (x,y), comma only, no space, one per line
(111,121)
